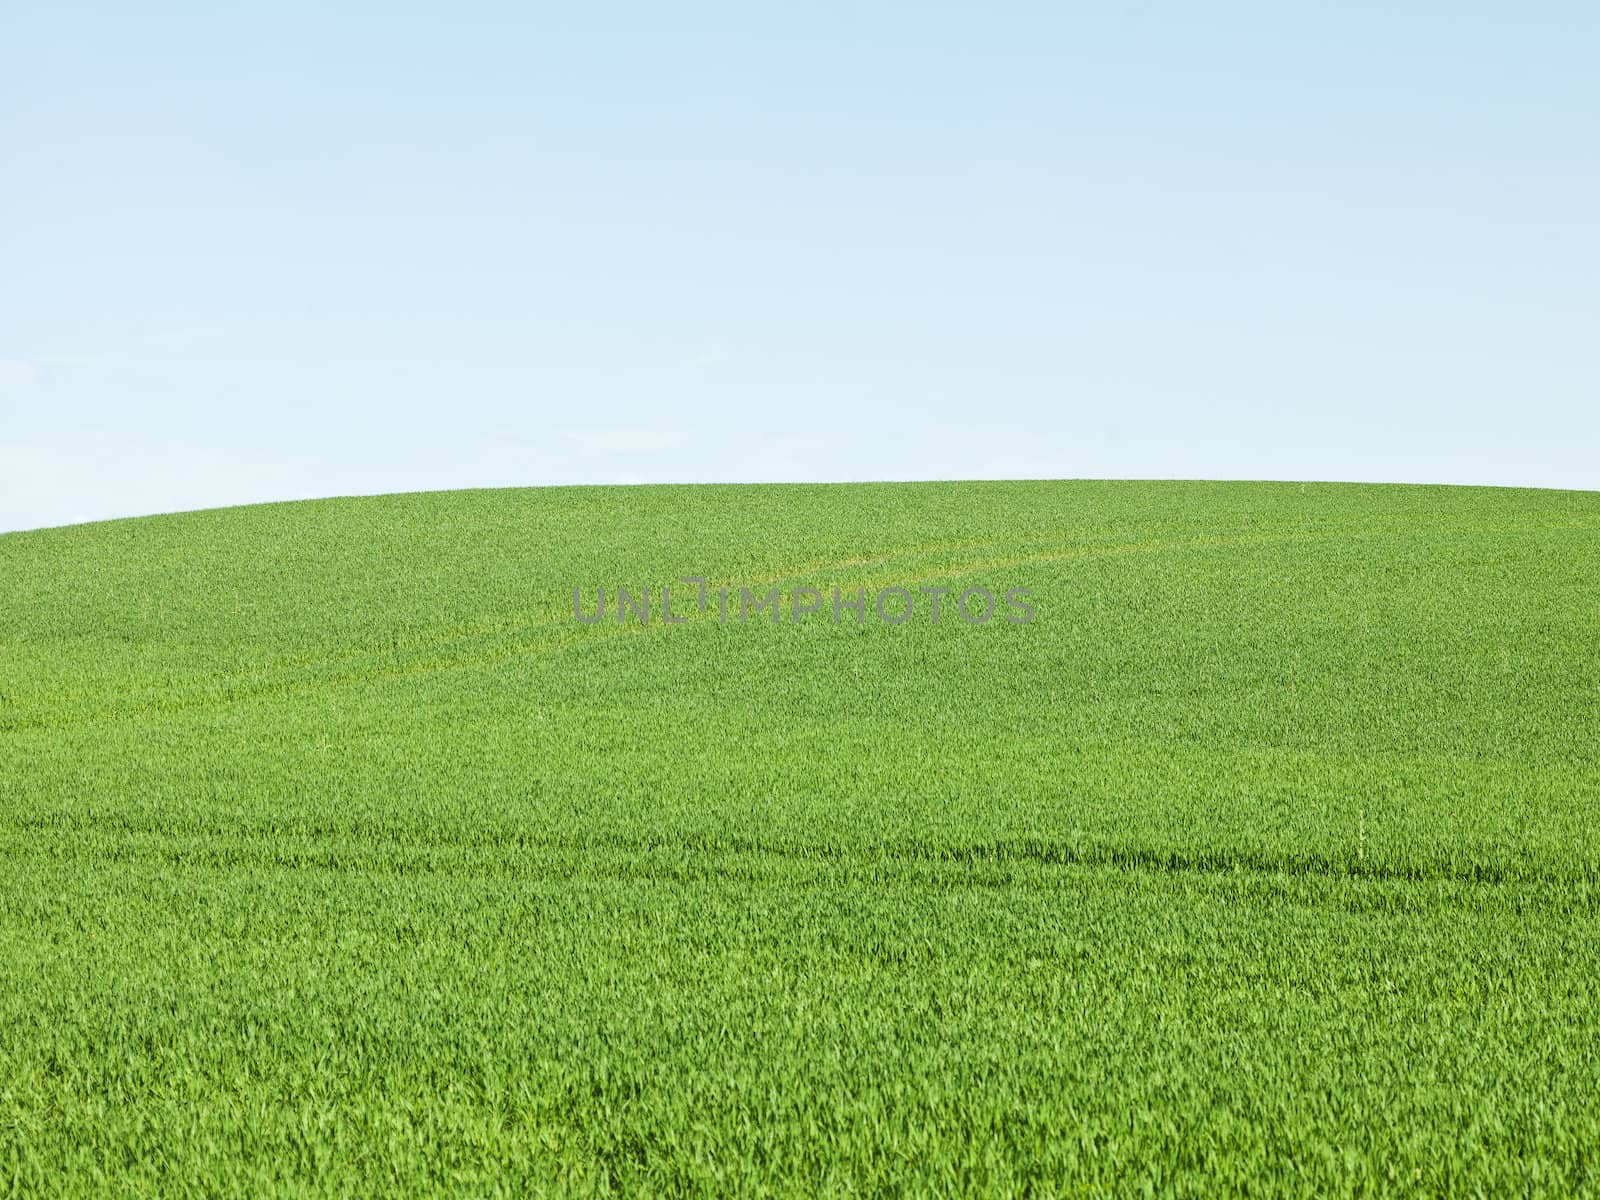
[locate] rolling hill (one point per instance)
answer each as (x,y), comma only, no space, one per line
(341,851)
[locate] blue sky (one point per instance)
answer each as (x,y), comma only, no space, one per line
(287,250)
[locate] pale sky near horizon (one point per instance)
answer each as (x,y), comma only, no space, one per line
(277,251)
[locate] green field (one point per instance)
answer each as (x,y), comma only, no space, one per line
(337,857)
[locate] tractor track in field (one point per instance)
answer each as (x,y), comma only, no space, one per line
(692,856)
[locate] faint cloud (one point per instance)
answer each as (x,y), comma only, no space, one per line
(1006,467)
(706,359)
(795,456)
(16,374)
(90,475)
(628,440)
(182,339)
(78,360)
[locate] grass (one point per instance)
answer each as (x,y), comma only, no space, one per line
(336,857)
